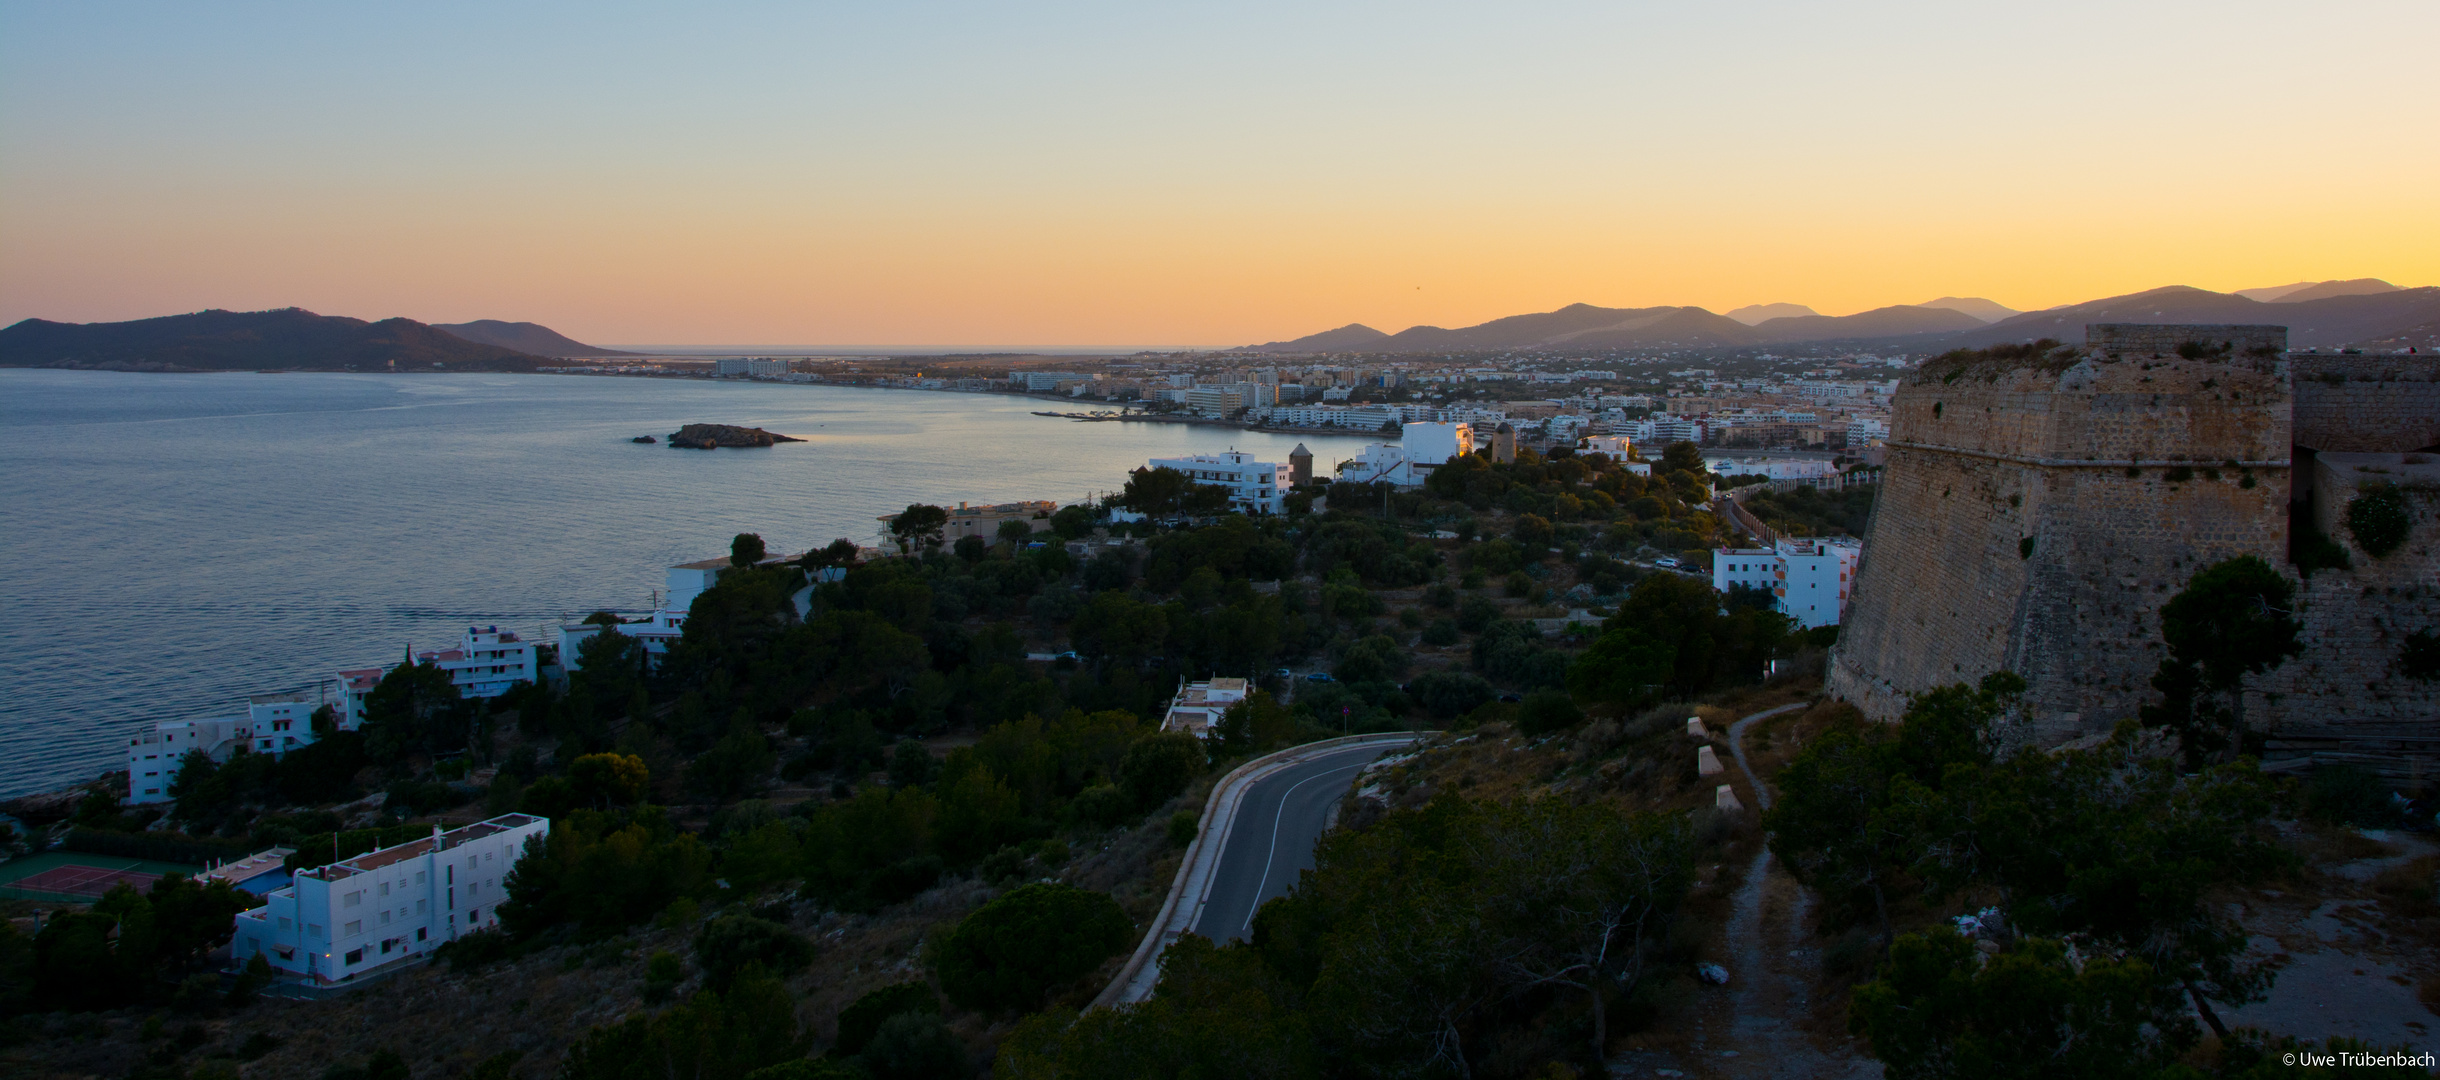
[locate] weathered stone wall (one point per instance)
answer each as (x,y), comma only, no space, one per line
(2037,513)
(2148,339)
(2367,404)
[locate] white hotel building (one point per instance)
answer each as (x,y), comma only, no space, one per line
(1254,487)
(388,906)
(272,724)
(1811,577)
(485,663)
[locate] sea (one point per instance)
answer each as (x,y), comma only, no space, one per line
(176,543)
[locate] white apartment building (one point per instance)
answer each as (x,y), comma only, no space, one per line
(1216,400)
(388,906)
(1810,576)
(1255,487)
(733,366)
(1616,446)
(1199,705)
(1772,468)
(1047,380)
(272,724)
(664,626)
(486,662)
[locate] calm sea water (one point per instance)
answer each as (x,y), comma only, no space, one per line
(177,542)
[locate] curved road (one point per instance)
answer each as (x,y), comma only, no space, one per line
(1271,841)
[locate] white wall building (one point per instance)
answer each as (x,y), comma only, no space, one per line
(272,724)
(1422,447)
(1616,446)
(1810,576)
(486,662)
(1255,487)
(1199,705)
(389,906)
(664,626)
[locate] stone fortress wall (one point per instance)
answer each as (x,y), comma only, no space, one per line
(2037,512)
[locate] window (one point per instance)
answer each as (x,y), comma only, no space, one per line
(385,888)
(419,877)
(473,916)
(353,927)
(313,929)
(419,933)
(419,906)
(285,923)
(352,899)
(385,916)
(355,956)
(385,946)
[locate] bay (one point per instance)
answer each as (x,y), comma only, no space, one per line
(177,542)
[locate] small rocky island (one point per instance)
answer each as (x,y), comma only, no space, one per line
(708,436)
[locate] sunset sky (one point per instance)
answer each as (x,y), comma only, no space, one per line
(1133,174)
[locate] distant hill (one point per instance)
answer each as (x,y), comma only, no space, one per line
(2268,293)
(524,337)
(2329,322)
(1352,337)
(286,339)
(1757,314)
(1986,310)
(2358,287)
(1894,321)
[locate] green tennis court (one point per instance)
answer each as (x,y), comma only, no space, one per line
(76,877)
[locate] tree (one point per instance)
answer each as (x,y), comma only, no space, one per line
(712,1036)
(607,781)
(1015,532)
(1159,766)
(1013,951)
(915,1046)
(1680,456)
(1073,522)
(1625,666)
(1155,491)
(1940,1011)
(746,550)
(839,552)
(860,1020)
(2231,620)
(414,710)
(972,549)
(917,528)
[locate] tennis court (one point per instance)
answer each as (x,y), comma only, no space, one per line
(77,877)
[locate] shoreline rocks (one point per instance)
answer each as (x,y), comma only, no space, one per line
(709,436)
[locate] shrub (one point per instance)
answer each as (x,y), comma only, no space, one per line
(727,944)
(1014,951)
(2347,795)
(1158,767)
(915,1046)
(661,975)
(1103,805)
(1183,826)
(1547,711)
(859,1021)
(1441,632)
(1476,613)
(1450,694)
(2379,519)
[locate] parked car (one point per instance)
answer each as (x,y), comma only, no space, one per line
(1320,676)
(1283,673)
(1665,562)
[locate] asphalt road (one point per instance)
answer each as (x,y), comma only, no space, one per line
(1271,842)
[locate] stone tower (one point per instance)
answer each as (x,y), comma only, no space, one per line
(2038,511)
(1504,444)
(1300,466)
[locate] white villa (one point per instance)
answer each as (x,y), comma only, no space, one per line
(389,906)
(1811,576)
(1422,447)
(1199,705)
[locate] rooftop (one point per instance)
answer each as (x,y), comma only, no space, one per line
(396,853)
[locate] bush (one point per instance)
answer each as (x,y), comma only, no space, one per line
(1014,951)
(1450,694)
(2379,519)
(727,944)
(915,1046)
(661,976)
(859,1021)
(1103,805)
(1476,613)
(1546,711)
(1441,632)
(1158,767)
(2346,795)
(1183,826)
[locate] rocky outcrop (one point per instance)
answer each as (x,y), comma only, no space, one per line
(707,436)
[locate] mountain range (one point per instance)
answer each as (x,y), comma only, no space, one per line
(292,339)
(2327,314)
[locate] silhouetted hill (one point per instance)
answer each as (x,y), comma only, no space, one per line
(2358,287)
(1986,310)
(524,337)
(2268,293)
(1348,338)
(286,339)
(2330,322)
(1757,314)
(1894,321)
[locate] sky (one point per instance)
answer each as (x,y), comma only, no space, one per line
(1132,174)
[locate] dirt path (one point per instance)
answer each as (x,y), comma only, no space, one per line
(1772,964)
